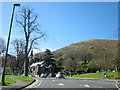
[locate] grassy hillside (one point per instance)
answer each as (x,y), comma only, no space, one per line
(97,54)
(90,43)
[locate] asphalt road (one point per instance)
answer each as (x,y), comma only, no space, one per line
(75,83)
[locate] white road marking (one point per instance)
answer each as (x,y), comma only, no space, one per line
(53,80)
(38,85)
(100,87)
(80,85)
(86,85)
(117,87)
(61,84)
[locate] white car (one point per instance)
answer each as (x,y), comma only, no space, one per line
(60,75)
(43,75)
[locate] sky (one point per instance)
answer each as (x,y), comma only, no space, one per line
(66,22)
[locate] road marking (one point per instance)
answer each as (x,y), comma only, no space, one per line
(53,80)
(32,85)
(61,84)
(86,85)
(100,87)
(80,85)
(38,85)
(117,87)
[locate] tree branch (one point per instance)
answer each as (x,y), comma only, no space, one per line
(34,41)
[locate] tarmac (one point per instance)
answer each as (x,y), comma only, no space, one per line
(21,84)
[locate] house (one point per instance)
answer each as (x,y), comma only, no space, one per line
(36,69)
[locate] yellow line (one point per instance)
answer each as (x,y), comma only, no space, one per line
(38,84)
(32,85)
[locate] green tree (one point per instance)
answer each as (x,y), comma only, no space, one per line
(48,59)
(59,63)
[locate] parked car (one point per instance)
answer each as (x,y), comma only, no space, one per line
(60,75)
(51,75)
(43,75)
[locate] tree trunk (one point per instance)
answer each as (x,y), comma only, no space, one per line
(26,66)
(74,71)
(26,60)
(116,69)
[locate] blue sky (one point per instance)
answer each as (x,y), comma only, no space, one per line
(67,22)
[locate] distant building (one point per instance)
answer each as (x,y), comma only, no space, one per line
(36,69)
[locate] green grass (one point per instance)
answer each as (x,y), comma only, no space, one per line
(24,78)
(0,81)
(0,78)
(90,75)
(111,75)
(8,80)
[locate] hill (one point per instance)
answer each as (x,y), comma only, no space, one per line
(89,55)
(89,43)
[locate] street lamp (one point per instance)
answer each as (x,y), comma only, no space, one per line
(16,4)
(3,74)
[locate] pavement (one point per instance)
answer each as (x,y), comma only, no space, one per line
(18,85)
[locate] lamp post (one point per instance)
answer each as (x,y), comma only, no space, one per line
(5,61)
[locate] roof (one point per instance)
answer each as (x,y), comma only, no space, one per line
(37,63)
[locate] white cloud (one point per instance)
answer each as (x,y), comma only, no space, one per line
(38,50)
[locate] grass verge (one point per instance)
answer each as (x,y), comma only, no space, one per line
(110,75)
(9,80)
(113,75)
(24,78)
(0,78)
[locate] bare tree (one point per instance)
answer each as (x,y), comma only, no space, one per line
(2,50)
(27,20)
(113,56)
(2,46)
(71,60)
(19,46)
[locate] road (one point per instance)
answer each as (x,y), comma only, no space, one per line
(75,83)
